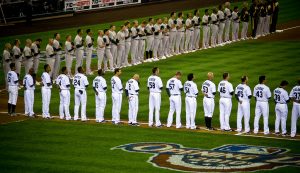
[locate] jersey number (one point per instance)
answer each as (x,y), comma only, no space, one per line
(96,84)
(152,85)
(297,96)
(171,86)
(259,94)
(187,89)
(240,94)
(76,82)
(205,89)
(8,79)
(222,90)
(277,98)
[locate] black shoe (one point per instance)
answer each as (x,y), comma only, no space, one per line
(160,126)
(277,133)
(285,134)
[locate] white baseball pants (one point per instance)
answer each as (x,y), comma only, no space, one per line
(295,116)
(116,107)
(114,53)
(235,31)
(227,29)
(133,108)
(281,116)
(141,49)
(29,101)
(190,109)
(179,42)
(214,33)
(64,104)
(56,66)
(175,105)
(69,61)
(209,106)
(46,95)
(12,94)
(121,55)
(243,112)
(244,30)
(220,33)
(154,103)
(134,51)
(79,58)
(88,61)
(225,110)
(262,108)
(196,38)
(80,99)
(51,62)
(100,54)
(127,49)
(100,101)
(206,33)
(36,62)
(28,63)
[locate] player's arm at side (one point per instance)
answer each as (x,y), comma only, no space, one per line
(126,90)
(237,95)
(286,97)
(230,89)
(168,89)
(180,85)
(86,82)
(94,86)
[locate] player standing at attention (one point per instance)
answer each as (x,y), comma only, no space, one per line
(228,15)
(50,56)
(121,47)
(89,41)
(149,29)
(262,95)
(57,49)
(35,46)
(17,55)
(6,61)
(174,88)
(157,40)
(134,43)
(189,33)
(80,83)
(196,37)
(107,53)
(100,88)
(132,94)
(281,98)
(127,42)
(243,95)
(173,32)
(13,82)
(46,91)
(113,40)
(142,41)
(78,41)
(69,50)
(226,91)
(209,92)
(235,24)
(221,25)
(29,87)
(191,92)
(117,90)
(245,19)
(28,63)
(100,48)
(155,87)
(214,27)
(295,97)
(206,30)
(180,34)
(64,85)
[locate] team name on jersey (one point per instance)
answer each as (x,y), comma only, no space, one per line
(260,88)
(240,88)
(206,83)
(277,91)
(222,84)
(152,79)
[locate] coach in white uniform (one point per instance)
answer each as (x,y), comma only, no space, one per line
(78,41)
(28,61)
(132,93)
(80,83)
(50,57)
(69,55)
(13,81)
(226,91)
(57,49)
(155,86)
(100,88)
(295,97)
(29,88)
(100,48)
(89,41)
(63,83)
(46,91)
(281,98)
(17,56)
(243,95)
(262,95)
(191,92)
(117,90)
(174,88)
(209,92)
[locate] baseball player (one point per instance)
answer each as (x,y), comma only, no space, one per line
(69,55)
(262,18)
(150,39)
(134,43)
(155,86)
(7,61)
(17,55)
(127,42)
(174,88)
(35,47)
(268,17)
(275,6)
(142,41)
(57,46)
(166,39)
(262,95)
(80,83)
(64,85)
(13,81)
(221,25)
(189,33)
(89,41)
(209,91)
(100,87)
(117,90)
(295,97)
(28,63)
(243,95)
(180,34)
(245,19)
(100,48)
(228,15)
(121,47)
(173,32)
(107,53)
(157,39)
(46,91)
(206,30)
(114,44)
(50,56)
(281,98)
(214,27)
(29,86)
(235,24)
(196,36)
(226,91)
(254,14)
(78,41)
(191,92)
(132,93)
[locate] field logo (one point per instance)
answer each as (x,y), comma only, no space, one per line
(227,158)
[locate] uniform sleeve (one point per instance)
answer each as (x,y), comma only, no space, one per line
(167,85)
(230,88)
(292,93)
(219,88)
(286,96)
(126,86)
(104,85)
(160,84)
(94,81)
(86,82)
(269,93)
(249,93)
(195,89)
(213,89)
(119,84)
(136,86)
(180,84)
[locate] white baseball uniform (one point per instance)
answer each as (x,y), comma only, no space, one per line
(117,90)
(46,94)
(100,50)
(180,36)
(17,58)
(79,51)
(64,85)
(225,89)
(191,92)
(29,87)
(69,51)
(262,94)
(99,84)
(174,86)
(228,16)
(155,86)
(28,60)
(132,88)
(89,51)
(173,33)
(244,94)
(57,49)
(206,31)
(221,26)
(295,94)
(281,98)
(80,83)
(6,64)
(13,81)
(50,58)
(209,89)
(127,45)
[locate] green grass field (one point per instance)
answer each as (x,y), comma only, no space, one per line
(54,146)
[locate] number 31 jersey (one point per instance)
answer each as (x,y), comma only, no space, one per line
(154,84)
(262,92)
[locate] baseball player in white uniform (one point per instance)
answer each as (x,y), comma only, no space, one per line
(46,91)
(173,32)
(89,41)
(243,95)
(100,88)
(50,56)
(100,48)
(149,29)
(28,60)
(29,87)
(121,47)
(69,55)
(78,41)
(191,92)
(114,44)
(295,97)
(35,47)
(57,46)
(209,91)
(155,86)
(80,83)
(107,53)
(127,42)
(189,33)
(64,85)
(13,82)
(235,24)
(262,95)
(180,34)
(281,98)
(17,55)
(206,30)
(134,43)
(196,36)
(174,88)
(228,15)
(214,27)
(132,93)
(117,90)
(226,91)
(222,21)
(6,61)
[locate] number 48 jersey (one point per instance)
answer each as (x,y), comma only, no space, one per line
(154,84)
(262,93)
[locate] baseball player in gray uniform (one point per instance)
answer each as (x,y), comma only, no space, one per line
(35,47)
(196,36)
(29,87)
(180,34)
(191,92)
(117,90)
(228,15)
(209,91)
(295,97)
(235,24)
(100,48)
(134,43)
(121,47)
(64,85)
(46,91)
(69,55)
(157,39)
(127,42)
(78,41)
(7,60)
(89,41)
(150,39)
(245,19)
(173,32)
(214,27)
(17,55)
(132,93)
(189,33)
(166,39)
(142,41)
(114,44)
(13,82)
(28,60)
(206,30)
(107,53)
(57,46)
(50,56)
(100,88)
(221,25)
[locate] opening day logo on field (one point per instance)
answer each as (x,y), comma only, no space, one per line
(227,158)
